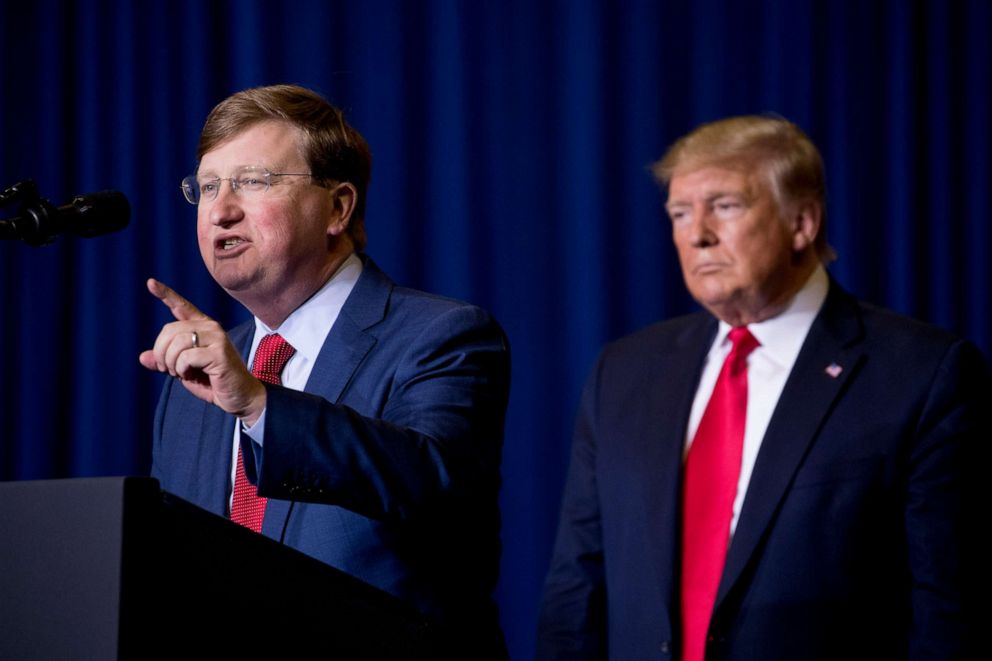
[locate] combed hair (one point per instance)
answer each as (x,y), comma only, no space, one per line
(334,150)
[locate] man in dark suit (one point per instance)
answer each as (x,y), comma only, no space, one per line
(372,416)
(788,476)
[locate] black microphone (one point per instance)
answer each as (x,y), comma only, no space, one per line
(89,215)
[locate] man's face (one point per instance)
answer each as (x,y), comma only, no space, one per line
(739,252)
(268,246)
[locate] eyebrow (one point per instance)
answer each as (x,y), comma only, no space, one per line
(710,197)
(743,195)
(210,172)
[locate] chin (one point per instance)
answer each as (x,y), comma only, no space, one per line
(710,296)
(233,282)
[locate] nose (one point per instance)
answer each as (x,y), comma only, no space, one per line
(700,228)
(226,208)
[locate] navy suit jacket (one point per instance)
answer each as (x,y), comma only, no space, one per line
(387,465)
(854,539)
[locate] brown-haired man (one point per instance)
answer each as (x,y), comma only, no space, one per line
(784,476)
(372,417)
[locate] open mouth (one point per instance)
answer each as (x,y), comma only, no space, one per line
(230,244)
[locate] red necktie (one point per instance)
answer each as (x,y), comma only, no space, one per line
(708,490)
(247,508)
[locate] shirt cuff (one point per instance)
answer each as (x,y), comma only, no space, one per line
(257,431)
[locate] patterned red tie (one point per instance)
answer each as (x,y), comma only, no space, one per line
(709,487)
(247,508)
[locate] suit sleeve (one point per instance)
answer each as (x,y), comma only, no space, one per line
(572,621)
(435,443)
(945,507)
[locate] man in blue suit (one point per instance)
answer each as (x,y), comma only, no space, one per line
(377,445)
(791,474)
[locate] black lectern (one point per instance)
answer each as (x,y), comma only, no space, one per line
(115,568)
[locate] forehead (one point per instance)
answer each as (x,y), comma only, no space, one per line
(271,144)
(713,180)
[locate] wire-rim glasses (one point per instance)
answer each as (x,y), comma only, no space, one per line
(247,181)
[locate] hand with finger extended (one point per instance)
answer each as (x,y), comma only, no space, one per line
(196,350)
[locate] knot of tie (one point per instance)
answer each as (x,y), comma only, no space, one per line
(271,356)
(744,343)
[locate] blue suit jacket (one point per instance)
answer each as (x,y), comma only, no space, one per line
(387,465)
(853,540)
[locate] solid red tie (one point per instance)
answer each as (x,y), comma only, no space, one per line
(247,508)
(709,487)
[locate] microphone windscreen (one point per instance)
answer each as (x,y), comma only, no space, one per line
(99,213)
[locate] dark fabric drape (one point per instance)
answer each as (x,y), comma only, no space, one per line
(511,142)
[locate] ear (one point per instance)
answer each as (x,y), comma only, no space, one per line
(344,196)
(807,217)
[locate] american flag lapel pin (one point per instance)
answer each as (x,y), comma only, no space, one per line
(833,370)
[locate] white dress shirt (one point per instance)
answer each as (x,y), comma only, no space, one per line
(769,366)
(305,329)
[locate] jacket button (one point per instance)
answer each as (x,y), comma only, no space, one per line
(665,647)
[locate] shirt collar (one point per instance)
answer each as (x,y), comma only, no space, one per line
(782,336)
(306,327)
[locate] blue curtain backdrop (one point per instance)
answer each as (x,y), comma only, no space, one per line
(511,141)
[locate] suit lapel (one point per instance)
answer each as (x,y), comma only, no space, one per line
(216,436)
(347,344)
(670,392)
(343,351)
(811,389)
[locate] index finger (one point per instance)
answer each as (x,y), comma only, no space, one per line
(181,309)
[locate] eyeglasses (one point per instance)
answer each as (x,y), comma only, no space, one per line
(249,182)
